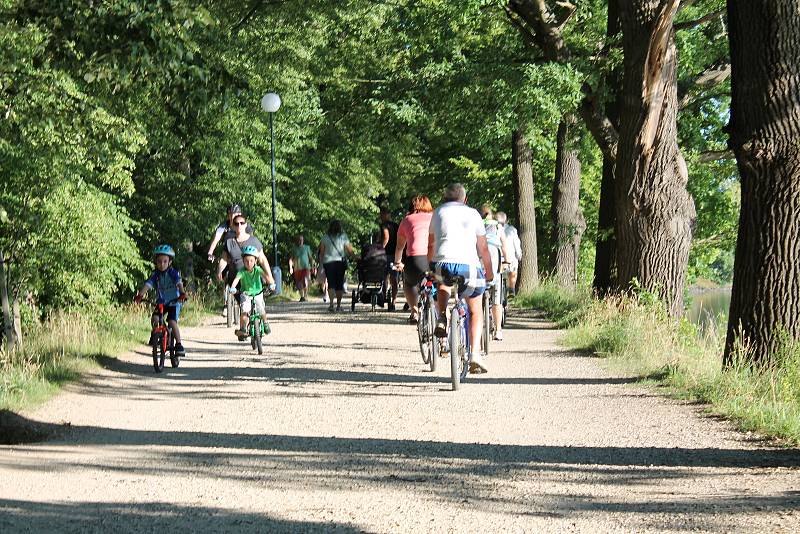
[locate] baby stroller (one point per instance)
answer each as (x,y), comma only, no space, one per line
(371,270)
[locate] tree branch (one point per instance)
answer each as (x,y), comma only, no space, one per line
(539,27)
(689,24)
(712,75)
(715,155)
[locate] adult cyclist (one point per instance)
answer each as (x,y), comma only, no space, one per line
(457,247)
(499,251)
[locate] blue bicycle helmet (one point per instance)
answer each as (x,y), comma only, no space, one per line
(164,249)
(249,250)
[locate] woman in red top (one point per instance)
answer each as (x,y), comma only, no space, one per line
(412,235)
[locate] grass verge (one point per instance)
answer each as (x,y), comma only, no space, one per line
(60,349)
(635,337)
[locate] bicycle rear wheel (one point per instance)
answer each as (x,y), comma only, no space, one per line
(487,321)
(174,357)
(422,330)
(433,341)
(456,342)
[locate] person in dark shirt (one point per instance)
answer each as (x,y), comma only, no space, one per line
(389,241)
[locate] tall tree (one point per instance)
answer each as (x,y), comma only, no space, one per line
(606,244)
(566,217)
(764,133)
(522,171)
(655,212)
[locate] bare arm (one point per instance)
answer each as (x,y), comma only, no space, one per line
(486,259)
(385,232)
(223,262)
(401,244)
(264,263)
(217,236)
(505,246)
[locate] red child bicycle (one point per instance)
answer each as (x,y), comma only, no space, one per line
(162,339)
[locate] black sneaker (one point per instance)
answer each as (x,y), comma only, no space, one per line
(179,350)
(390,307)
(441,328)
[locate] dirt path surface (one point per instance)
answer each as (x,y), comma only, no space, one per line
(339,428)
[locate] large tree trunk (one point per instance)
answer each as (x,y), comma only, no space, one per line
(522,170)
(8,319)
(655,213)
(764,133)
(605,246)
(566,216)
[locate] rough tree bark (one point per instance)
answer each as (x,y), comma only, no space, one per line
(604,280)
(655,213)
(8,319)
(522,170)
(566,215)
(764,132)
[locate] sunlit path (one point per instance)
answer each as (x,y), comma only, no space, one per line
(339,426)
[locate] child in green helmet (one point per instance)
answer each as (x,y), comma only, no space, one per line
(167,282)
(252,278)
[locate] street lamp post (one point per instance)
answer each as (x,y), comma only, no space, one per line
(270,103)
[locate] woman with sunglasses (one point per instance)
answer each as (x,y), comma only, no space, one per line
(242,237)
(225,230)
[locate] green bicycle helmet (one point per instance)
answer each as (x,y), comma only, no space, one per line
(164,249)
(249,250)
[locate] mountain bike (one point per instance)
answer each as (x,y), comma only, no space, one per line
(257,328)
(163,340)
(428,343)
(494,294)
(457,335)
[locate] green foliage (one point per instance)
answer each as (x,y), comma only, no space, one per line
(149,112)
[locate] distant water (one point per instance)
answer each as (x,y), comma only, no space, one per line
(709,308)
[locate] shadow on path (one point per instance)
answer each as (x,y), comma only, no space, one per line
(146,517)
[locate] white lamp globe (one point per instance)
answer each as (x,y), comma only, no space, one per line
(270,102)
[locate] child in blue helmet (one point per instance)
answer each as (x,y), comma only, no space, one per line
(166,280)
(252,278)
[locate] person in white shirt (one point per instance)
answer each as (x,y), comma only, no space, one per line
(514,243)
(457,247)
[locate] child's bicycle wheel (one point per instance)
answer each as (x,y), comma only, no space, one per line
(174,357)
(256,337)
(159,353)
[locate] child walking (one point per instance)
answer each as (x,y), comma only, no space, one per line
(166,280)
(251,277)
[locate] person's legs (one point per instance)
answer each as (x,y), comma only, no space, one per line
(393,282)
(244,317)
(176,332)
(173,315)
(475,305)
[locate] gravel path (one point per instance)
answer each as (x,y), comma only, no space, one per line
(339,428)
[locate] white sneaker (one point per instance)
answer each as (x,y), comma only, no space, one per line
(477,363)
(498,336)
(325,298)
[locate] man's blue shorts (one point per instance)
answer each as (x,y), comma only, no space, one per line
(475,277)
